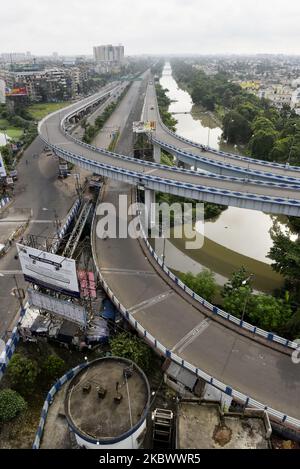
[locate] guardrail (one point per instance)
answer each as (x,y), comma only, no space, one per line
(270,164)
(10,346)
(166,185)
(61,233)
(156,345)
(175,169)
(227,166)
(4,202)
(214,309)
(140,177)
(48,401)
(12,342)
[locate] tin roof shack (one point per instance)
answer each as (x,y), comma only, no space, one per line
(202,425)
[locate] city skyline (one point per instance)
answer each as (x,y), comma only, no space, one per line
(174,27)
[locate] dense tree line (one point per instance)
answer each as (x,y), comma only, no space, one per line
(267,133)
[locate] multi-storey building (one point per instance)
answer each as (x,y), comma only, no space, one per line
(50,84)
(109,54)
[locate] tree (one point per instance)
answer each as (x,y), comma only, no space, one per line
(262,144)
(236,128)
(236,281)
(239,301)
(131,347)
(11,404)
(22,373)
(286,255)
(269,313)
(280,150)
(203,284)
(53,367)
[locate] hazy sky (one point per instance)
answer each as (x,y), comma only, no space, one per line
(151,26)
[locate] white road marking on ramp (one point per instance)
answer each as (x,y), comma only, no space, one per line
(150,302)
(191,336)
(128,272)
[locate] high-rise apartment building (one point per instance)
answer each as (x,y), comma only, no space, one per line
(109,54)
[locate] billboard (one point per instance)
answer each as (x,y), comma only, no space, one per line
(2,92)
(2,168)
(17,91)
(143,126)
(66,309)
(49,270)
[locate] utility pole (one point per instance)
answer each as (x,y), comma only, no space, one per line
(19,294)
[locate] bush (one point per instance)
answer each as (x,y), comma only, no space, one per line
(53,367)
(131,347)
(203,284)
(22,373)
(11,404)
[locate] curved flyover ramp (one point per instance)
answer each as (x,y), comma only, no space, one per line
(169,319)
(209,159)
(271,197)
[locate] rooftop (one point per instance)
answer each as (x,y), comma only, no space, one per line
(106,399)
(203,425)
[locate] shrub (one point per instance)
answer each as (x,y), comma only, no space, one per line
(22,373)
(11,404)
(53,367)
(131,347)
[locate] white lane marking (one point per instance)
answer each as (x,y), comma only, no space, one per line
(191,336)
(10,272)
(150,302)
(150,171)
(127,272)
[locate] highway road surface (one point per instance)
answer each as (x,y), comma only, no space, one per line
(255,369)
(261,195)
(151,113)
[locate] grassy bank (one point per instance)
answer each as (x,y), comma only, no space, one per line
(11,131)
(40,110)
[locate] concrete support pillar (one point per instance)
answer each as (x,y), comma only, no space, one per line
(183,165)
(150,207)
(156,153)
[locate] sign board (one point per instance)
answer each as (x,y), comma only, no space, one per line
(143,126)
(66,309)
(49,270)
(2,92)
(9,181)
(17,91)
(2,168)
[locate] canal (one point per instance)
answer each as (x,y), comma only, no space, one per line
(238,237)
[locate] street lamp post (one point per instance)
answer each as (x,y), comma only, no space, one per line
(244,283)
(291,147)
(164,250)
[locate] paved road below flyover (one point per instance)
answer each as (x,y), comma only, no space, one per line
(251,368)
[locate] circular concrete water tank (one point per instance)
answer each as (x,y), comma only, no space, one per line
(107,403)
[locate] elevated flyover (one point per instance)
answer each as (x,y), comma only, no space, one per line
(209,159)
(174,324)
(268,196)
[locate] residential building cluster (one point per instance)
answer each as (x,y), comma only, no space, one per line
(274,77)
(49,84)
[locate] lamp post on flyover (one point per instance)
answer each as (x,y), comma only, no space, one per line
(292,144)
(244,283)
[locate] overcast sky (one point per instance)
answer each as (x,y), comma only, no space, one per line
(151,26)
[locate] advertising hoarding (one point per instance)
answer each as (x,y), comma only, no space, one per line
(143,126)
(2,92)
(17,91)
(2,168)
(65,309)
(49,270)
